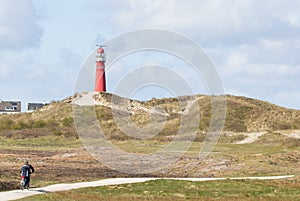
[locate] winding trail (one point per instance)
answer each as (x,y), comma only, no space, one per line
(252,137)
(18,194)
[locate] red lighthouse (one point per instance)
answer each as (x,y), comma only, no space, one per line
(100,85)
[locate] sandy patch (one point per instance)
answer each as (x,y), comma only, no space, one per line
(251,137)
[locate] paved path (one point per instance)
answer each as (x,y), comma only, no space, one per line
(17,194)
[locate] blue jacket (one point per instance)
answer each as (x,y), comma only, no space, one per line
(26,170)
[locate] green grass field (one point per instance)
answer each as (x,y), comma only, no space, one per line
(184,190)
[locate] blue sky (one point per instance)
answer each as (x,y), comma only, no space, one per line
(254,44)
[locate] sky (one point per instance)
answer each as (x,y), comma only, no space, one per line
(255,45)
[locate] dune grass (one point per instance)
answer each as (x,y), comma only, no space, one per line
(184,190)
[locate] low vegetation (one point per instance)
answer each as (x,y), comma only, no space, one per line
(280,190)
(48,138)
(242,115)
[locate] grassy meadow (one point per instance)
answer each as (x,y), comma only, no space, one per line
(280,190)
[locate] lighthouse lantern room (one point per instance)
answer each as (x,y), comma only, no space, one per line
(100,85)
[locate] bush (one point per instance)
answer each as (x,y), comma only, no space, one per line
(236,125)
(281,126)
(67,121)
(51,123)
(20,125)
(57,132)
(6,124)
(38,124)
(9,185)
(291,143)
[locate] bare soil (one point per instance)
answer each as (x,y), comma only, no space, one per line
(272,154)
(54,167)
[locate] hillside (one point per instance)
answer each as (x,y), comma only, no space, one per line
(259,138)
(242,115)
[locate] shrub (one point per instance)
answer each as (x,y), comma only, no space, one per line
(291,143)
(38,124)
(280,125)
(57,132)
(236,125)
(20,125)
(6,124)
(67,121)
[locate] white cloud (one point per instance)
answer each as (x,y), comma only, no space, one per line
(241,62)
(294,19)
(216,18)
(236,62)
(18,25)
(273,45)
(254,43)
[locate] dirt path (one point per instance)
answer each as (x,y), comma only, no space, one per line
(293,134)
(18,194)
(252,137)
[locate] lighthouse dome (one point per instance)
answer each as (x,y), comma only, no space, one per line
(100,50)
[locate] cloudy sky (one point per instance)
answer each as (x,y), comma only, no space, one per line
(254,44)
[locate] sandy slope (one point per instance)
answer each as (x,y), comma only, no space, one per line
(251,137)
(17,194)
